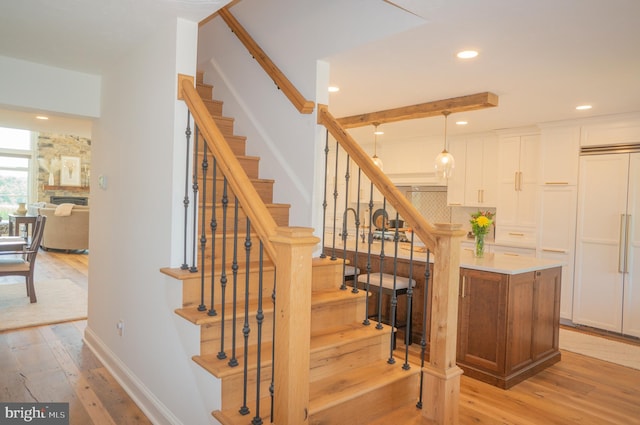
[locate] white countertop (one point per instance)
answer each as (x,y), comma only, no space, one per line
(491,262)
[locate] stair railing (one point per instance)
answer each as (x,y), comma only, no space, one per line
(303,105)
(289,249)
(440,380)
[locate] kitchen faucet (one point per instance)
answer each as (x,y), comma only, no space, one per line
(344,222)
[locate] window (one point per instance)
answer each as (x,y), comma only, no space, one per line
(16,156)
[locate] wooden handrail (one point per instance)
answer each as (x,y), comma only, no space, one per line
(261,221)
(303,105)
(420,226)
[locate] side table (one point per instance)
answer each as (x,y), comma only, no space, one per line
(16,220)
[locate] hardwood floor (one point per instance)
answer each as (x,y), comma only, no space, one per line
(51,363)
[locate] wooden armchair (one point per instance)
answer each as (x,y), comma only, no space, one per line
(22,263)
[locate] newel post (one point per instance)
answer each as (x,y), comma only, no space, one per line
(441,390)
(294,251)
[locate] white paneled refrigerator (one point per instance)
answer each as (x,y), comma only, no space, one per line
(607,274)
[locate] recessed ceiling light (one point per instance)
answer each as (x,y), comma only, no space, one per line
(41,117)
(378,132)
(333,89)
(467,54)
(461,123)
(583,107)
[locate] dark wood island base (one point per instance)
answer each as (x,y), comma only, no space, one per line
(508,313)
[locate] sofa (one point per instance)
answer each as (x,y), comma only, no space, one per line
(67,232)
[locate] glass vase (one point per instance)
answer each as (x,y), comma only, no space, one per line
(479,246)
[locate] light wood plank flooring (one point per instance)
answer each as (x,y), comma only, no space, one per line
(52,363)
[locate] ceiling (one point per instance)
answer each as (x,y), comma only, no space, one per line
(541,58)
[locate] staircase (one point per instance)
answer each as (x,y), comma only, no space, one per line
(352,378)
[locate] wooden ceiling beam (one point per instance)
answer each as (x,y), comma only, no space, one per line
(470,102)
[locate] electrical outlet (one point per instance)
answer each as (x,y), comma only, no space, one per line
(120,327)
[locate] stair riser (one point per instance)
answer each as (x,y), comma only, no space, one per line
(211,334)
(323,363)
(232,389)
(328,316)
(191,287)
(279,212)
(327,277)
(205,91)
(263,187)
(363,409)
(236,143)
(339,359)
(220,242)
(214,107)
(249,164)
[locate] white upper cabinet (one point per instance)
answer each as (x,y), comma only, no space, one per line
(559,154)
(517,180)
(474,182)
(481,172)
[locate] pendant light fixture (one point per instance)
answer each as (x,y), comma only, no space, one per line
(375,158)
(444,161)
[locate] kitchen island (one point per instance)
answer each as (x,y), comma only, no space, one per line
(508,309)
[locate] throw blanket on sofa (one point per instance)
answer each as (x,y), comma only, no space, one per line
(64,210)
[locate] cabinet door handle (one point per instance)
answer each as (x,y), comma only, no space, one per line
(622,245)
(561,251)
(516,234)
(520,181)
(556,183)
(515,181)
(513,254)
(464,287)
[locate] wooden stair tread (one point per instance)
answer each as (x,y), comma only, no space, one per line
(319,341)
(253,180)
(232,416)
(319,297)
(254,266)
(335,390)
(202,318)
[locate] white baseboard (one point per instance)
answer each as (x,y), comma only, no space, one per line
(153,408)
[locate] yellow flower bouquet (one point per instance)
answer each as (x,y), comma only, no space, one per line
(480,221)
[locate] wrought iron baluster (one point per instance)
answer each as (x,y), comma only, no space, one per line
(195,187)
(324,193)
(345,232)
(335,204)
(233,362)
(203,215)
(394,295)
(185,200)
(273,346)
(246,329)
(366,321)
(257,420)
(355,256)
(214,228)
(407,337)
(223,273)
(423,340)
(384,208)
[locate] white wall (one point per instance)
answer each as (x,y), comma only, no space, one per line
(137,145)
(39,87)
(288,143)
